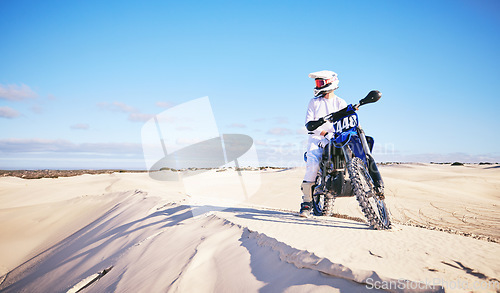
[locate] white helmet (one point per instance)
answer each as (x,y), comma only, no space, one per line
(326,81)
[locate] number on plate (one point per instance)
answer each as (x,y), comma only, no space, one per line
(345,123)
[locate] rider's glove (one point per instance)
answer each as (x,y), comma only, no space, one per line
(326,140)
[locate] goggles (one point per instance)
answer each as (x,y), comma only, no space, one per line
(323,82)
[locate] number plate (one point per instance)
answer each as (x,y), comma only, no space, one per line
(345,123)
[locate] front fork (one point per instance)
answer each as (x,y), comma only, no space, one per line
(372,166)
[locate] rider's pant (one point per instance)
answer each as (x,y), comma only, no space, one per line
(314,153)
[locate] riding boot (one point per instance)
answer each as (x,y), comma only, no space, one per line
(306,206)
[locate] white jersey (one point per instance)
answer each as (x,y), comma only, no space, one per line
(320,107)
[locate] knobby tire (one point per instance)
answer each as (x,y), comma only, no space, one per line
(373,208)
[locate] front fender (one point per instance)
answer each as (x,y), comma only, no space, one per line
(344,138)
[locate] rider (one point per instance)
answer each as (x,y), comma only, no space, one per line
(324,103)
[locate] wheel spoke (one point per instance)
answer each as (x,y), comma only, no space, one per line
(373,207)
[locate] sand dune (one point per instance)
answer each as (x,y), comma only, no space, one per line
(126,232)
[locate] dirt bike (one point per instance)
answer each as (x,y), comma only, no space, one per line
(347,167)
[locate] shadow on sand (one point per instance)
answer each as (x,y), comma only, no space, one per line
(116,228)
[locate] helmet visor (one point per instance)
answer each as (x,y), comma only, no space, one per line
(322,82)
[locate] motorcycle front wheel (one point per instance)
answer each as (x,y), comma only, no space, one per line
(373,208)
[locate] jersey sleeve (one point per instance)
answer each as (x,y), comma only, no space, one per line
(310,115)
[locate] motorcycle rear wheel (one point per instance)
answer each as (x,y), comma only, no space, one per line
(318,201)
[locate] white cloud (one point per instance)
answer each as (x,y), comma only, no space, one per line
(139,117)
(7,112)
(134,114)
(279,131)
(15,145)
(237,125)
(14,92)
(187,141)
(281,120)
(301,131)
(260,143)
(80,126)
(164,104)
(117,107)
(37,109)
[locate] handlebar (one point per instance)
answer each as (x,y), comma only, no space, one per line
(372,97)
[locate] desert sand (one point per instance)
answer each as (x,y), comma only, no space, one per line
(232,231)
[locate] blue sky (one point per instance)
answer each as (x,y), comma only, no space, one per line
(78,79)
